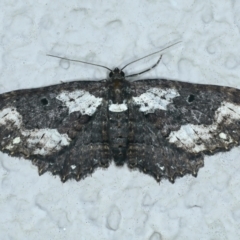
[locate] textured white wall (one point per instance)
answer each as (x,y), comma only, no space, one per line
(117,203)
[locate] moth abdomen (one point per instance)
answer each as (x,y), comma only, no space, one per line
(118,134)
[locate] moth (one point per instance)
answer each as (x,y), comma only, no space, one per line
(161,127)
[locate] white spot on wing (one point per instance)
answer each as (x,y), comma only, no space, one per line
(38,141)
(80,101)
(197,138)
(155,98)
(223,135)
(73,167)
(9,147)
(192,137)
(16,140)
(44,141)
(118,107)
(229,110)
(10,115)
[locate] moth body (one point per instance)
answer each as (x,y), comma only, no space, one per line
(118,95)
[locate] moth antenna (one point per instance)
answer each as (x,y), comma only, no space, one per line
(150,54)
(73,60)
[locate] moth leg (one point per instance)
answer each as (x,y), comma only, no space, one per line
(155,64)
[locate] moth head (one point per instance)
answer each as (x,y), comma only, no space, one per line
(116,74)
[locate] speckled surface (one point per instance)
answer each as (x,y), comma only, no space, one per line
(118,203)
